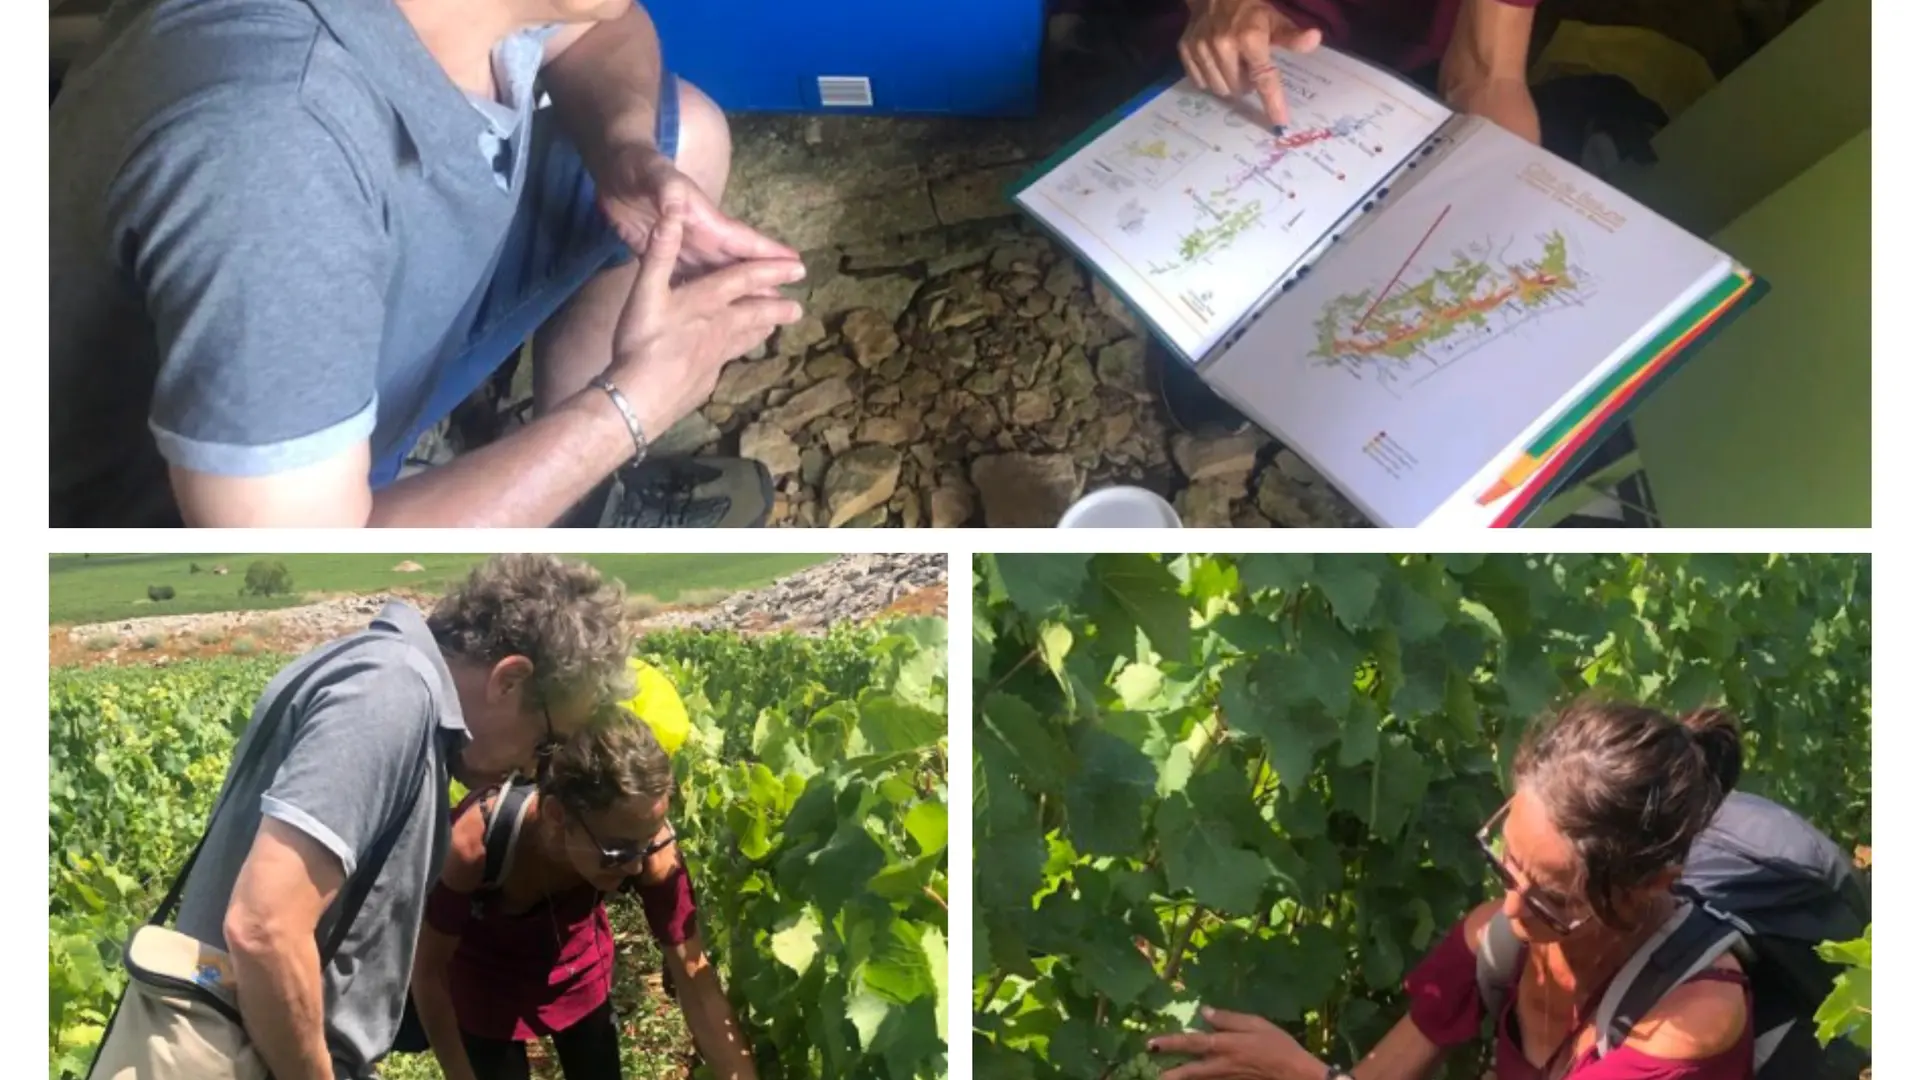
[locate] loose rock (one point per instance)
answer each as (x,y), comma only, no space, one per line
(1026,490)
(1231,457)
(870,336)
(859,481)
(815,401)
(744,380)
(952,504)
(770,446)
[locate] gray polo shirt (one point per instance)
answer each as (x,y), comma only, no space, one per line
(336,766)
(271,221)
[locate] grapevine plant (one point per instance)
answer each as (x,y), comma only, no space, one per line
(1253,781)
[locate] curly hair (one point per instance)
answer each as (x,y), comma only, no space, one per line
(563,616)
(616,757)
(1630,787)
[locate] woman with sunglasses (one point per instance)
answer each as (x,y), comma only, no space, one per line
(519,947)
(1607,800)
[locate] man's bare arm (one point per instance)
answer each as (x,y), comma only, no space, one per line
(285,885)
(526,479)
(605,82)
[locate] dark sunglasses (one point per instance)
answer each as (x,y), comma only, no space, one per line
(625,851)
(1556,920)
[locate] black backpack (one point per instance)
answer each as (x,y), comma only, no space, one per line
(1765,885)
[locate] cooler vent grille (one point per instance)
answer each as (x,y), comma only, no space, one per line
(846,92)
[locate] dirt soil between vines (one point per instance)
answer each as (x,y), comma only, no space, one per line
(856,588)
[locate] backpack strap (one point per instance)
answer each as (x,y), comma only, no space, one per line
(1687,944)
(503,819)
(1495,963)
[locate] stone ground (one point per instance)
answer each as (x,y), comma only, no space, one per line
(956,367)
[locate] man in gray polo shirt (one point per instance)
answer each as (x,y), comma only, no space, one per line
(288,236)
(515,657)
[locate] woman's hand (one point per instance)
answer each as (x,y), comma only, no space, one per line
(1241,1047)
(1228,46)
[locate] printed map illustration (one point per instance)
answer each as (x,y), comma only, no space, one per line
(1196,208)
(1439,311)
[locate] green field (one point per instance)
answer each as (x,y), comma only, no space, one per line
(103,588)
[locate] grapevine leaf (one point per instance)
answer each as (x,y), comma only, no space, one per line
(868,1010)
(1137,591)
(797,941)
(900,970)
(892,725)
(927,824)
(982,943)
(1284,572)
(1138,685)
(840,871)
(1107,799)
(1034,746)
(1037,584)
(1081,1050)
(1203,857)
(1240,972)
(1111,963)
(1259,699)
(1380,960)
(904,880)
(1401,785)
(1351,583)
(1360,732)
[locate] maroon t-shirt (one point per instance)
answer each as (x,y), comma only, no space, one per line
(521,975)
(1444,1003)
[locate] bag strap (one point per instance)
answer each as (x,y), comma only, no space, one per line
(361,885)
(261,734)
(1686,945)
(502,832)
(1495,963)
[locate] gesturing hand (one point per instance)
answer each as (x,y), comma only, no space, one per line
(1241,1047)
(671,342)
(638,187)
(1228,46)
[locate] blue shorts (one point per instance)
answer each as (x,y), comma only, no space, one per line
(558,241)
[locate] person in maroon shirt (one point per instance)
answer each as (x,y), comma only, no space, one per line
(1479,45)
(533,956)
(1607,800)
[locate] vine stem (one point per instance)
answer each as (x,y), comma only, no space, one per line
(1177,952)
(934,896)
(1032,655)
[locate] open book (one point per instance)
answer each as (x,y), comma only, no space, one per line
(1437,315)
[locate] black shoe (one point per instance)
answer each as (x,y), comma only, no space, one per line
(1191,405)
(681,493)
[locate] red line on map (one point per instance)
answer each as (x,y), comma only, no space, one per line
(1395,280)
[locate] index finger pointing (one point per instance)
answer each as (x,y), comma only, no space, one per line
(1256,49)
(1192,1043)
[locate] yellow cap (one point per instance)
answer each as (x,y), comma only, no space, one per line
(659,704)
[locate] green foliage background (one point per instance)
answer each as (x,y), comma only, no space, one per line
(812,811)
(1254,780)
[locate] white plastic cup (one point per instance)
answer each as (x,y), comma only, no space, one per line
(1121,507)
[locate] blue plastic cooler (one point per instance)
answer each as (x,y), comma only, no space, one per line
(963,57)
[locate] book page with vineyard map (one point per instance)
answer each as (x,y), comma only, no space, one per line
(1193,208)
(1460,322)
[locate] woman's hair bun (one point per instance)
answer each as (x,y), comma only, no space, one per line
(1716,734)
